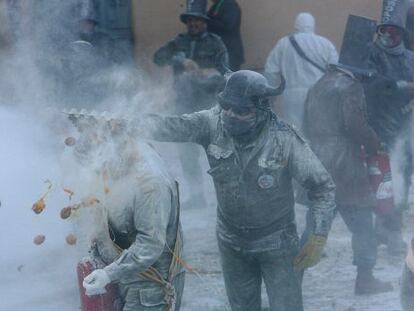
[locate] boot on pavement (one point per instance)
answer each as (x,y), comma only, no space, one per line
(367,284)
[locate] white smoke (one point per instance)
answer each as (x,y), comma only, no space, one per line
(30,273)
(32,131)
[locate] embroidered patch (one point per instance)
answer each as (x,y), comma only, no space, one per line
(266,181)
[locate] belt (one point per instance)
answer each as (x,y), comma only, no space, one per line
(286,223)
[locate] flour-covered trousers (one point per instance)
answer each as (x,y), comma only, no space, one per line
(151,296)
(244,272)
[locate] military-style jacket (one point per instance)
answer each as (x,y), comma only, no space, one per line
(207,50)
(253,183)
(335,122)
(389,108)
(143,217)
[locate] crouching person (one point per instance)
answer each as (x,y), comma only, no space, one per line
(142,210)
(407,281)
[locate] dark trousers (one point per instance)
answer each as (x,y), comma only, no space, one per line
(244,272)
(359,221)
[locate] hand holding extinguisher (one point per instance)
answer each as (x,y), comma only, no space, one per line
(95,282)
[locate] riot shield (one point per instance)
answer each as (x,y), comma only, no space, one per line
(358,36)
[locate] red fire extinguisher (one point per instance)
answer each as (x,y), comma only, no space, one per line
(380,177)
(109,301)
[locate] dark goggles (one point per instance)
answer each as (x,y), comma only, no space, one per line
(391,31)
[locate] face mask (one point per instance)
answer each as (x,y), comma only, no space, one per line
(387,41)
(390,36)
(237,127)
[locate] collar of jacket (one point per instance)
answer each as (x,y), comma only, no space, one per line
(224,144)
(398,50)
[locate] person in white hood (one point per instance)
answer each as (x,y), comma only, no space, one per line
(301,69)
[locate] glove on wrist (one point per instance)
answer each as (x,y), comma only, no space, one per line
(310,254)
(95,282)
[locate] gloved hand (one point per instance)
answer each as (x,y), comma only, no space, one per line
(95,282)
(310,254)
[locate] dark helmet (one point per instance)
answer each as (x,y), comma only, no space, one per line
(245,88)
(195,8)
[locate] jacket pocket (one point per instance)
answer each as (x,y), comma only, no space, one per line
(152,297)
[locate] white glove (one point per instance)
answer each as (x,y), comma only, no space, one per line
(95,282)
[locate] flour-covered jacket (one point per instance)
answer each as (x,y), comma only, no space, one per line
(143,217)
(253,184)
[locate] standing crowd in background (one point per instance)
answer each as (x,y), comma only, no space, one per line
(332,131)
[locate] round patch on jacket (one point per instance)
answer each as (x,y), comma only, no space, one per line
(266,181)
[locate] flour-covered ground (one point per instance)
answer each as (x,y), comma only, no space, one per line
(327,287)
(42,278)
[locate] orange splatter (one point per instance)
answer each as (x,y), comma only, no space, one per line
(70,192)
(39,206)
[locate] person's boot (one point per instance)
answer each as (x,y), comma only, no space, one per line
(367,284)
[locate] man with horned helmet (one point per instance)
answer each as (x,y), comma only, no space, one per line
(254,157)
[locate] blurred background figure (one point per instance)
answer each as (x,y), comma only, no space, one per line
(390,113)
(14,20)
(224,20)
(87,31)
(108,25)
(54,25)
(198,59)
(336,125)
(5,22)
(301,58)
